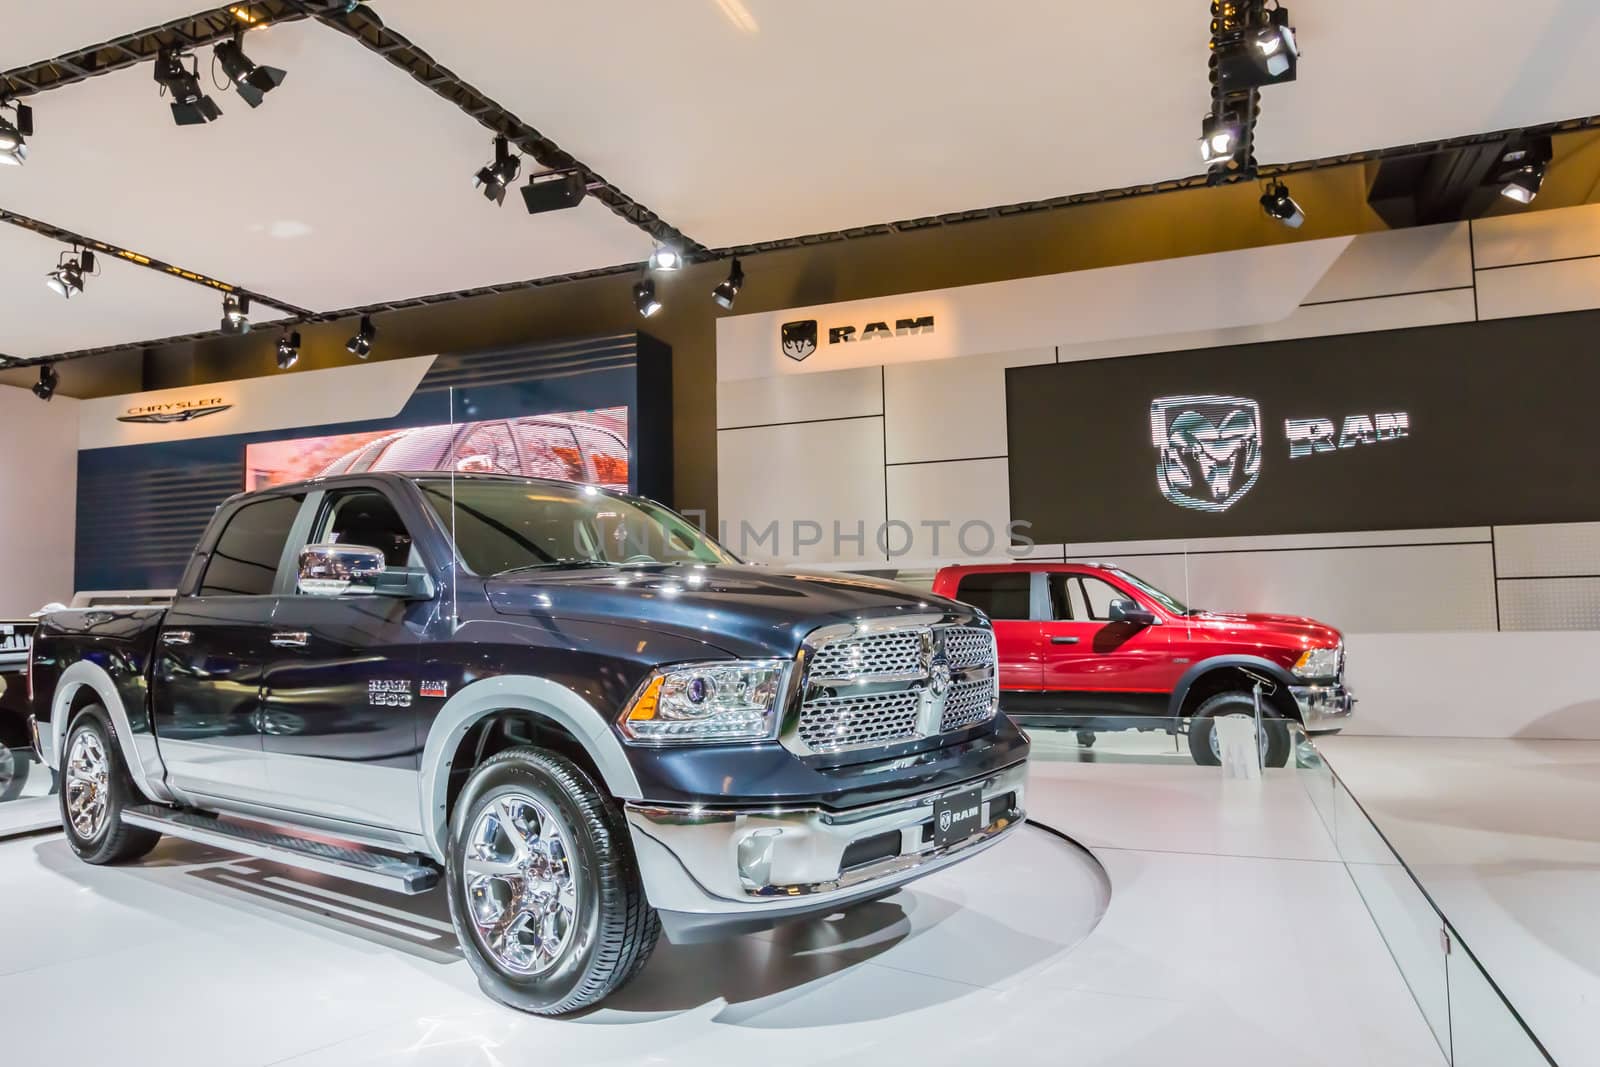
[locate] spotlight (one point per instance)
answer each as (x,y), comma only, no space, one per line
(644,297)
(727,291)
(553,190)
(190,105)
(1219,137)
(250,81)
(288,350)
(235,313)
(1522,185)
(494,177)
(361,344)
(68,276)
(665,257)
(1272,47)
(14,135)
(1277,202)
(45,387)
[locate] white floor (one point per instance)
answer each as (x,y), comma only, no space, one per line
(1505,836)
(1230,936)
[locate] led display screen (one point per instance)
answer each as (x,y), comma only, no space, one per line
(1461,425)
(577,446)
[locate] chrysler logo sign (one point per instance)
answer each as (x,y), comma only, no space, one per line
(174,411)
(799,338)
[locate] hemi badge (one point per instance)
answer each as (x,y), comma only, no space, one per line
(433,689)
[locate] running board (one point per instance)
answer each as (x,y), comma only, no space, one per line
(352,864)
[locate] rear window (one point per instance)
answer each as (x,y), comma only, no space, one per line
(245,561)
(999,594)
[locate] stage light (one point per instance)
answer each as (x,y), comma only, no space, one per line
(1522,185)
(45,387)
(190,105)
(727,290)
(665,257)
(1273,49)
(14,135)
(288,350)
(1277,203)
(1219,137)
(250,81)
(68,276)
(493,177)
(553,190)
(361,344)
(235,313)
(644,297)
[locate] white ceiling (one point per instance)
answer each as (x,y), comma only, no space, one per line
(746,120)
(36,31)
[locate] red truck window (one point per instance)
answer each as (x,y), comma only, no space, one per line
(999,594)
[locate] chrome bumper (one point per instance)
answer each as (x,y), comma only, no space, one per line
(749,862)
(1323,707)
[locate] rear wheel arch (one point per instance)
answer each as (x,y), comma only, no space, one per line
(82,684)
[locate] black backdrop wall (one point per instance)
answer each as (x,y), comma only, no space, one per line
(1460,425)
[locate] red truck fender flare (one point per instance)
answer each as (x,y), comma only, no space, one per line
(1265,668)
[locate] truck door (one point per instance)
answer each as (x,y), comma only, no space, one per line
(1006,596)
(1109,667)
(209,657)
(339,716)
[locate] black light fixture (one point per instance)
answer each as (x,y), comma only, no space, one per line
(553,190)
(727,290)
(1523,184)
(14,134)
(71,267)
(45,387)
(1272,48)
(665,257)
(190,105)
(493,177)
(1277,203)
(360,345)
(644,297)
(250,81)
(1219,137)
(235,313)
(289,350)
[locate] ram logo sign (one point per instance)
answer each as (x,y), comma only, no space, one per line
(1208,449)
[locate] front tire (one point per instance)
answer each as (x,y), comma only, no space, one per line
(1203,730)
(96,789)
(544,890)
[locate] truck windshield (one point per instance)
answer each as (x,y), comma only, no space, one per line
(1165,599)
(505,525)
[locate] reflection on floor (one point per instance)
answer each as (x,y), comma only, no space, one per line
(1505,837)
(36,809)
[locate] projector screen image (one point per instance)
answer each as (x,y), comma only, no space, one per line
(573,446)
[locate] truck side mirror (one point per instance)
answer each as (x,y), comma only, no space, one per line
(1129,611)
(339,570)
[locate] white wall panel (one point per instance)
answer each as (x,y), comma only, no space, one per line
(1539,288)
(1553,550)
(953,408)
(834,395)
(1359,590)
(1399,261)
(1534,236)
(1276,542)
(955,493)
(822,472)
(39,485)
(1550,604)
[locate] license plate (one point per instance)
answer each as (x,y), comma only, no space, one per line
(956,817)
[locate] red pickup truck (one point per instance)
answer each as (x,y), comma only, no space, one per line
(1094,642)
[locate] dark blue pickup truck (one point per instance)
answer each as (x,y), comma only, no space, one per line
(588,719)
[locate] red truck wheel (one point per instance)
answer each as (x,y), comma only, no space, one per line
(1203,732)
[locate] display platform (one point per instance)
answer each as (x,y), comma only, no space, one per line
(1208,922)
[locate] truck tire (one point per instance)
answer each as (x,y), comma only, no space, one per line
(95,790)
(544,890)
(14,767)
(1203,733)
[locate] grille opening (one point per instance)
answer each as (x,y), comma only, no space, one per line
(870,850)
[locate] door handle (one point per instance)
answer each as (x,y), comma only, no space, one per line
(291,639)
(1063,640)
(177,637)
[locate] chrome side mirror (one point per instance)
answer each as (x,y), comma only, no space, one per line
(339,570)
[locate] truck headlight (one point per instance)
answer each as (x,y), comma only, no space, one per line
(1317,663)
(693,703)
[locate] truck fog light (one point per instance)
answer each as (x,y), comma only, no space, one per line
(755,858)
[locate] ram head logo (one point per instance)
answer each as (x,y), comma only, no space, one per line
(1210,449)
(799,339)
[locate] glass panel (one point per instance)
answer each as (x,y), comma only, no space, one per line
(1486,1033)
(998,594)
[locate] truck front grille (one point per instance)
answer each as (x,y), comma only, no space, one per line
(891,685)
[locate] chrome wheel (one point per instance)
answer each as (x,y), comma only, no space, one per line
(8,767)
(88,785)
(521,884)
(1261,738)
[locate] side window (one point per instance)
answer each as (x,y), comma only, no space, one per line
(245,559)
(366,517)
(999,594)
(1098,595)
(1063,597)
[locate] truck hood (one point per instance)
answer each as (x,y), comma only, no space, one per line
(1283,631)
(744,611)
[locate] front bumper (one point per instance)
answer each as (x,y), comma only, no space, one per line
(1323,708)
(710,872)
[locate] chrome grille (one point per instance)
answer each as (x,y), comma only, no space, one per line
(969,646)
(893,653)
(831,724)
(968,704)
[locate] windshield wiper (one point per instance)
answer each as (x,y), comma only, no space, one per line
(559,563)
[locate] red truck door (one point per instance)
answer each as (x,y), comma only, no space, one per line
(1085,651)
(1007,598)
